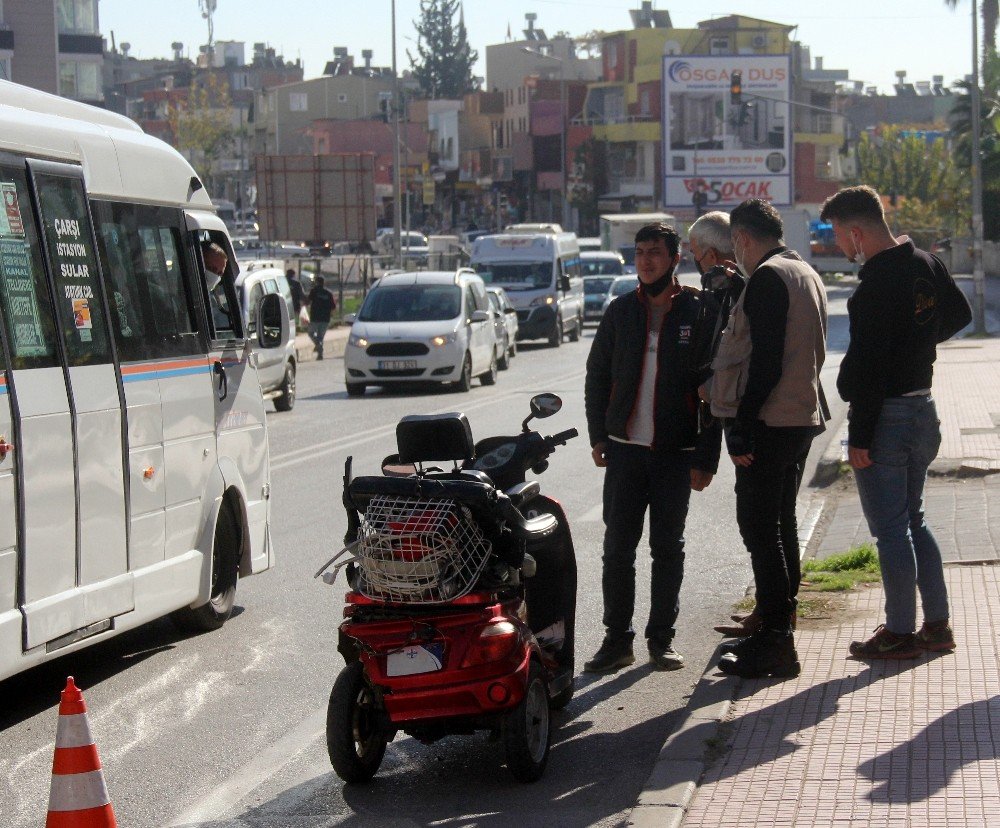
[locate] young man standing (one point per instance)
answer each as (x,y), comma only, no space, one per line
(904,306)
(642,416)
(766,385)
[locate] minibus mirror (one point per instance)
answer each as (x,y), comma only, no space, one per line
(564,283)
(272,321)
(479,316)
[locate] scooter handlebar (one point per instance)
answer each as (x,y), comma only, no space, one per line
(561,438)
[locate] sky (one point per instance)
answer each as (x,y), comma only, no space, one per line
(870,38)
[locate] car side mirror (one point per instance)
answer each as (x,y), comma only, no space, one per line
(272,321)
(479,316)
(349,318)
(564,283)
(510,310)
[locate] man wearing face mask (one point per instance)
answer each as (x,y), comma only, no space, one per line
(216,260)
(712,250)
(766,386)
(904,306)
(643,373)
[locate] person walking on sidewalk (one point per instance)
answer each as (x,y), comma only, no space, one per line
(906,303)
(295,286)
(321,304)
(766,386)
(642,417)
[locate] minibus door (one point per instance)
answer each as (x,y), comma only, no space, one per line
(74,573)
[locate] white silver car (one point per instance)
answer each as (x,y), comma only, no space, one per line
(619,287)
(506,325)
(433,326)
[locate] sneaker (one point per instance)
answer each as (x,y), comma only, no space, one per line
(936,636)
(765,653)
(663,656)
(886,644)
(613,654)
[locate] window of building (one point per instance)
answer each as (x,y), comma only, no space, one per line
(80,80)
(718,46)
(77,16)
(298,101)
(612,54)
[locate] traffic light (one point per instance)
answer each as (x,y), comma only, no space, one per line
(736,88)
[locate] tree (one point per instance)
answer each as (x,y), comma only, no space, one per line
(443,66)
(203,126)
(908,166)
(990,13)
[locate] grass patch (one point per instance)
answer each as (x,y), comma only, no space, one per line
(843,572)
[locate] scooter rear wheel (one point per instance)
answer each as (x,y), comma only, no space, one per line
(527,731)
(354,740)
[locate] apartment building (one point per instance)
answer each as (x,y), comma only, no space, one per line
(53,45)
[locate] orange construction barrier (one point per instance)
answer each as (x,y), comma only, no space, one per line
(78,797)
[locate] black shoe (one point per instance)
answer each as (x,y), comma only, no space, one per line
(613,654)
(733,646)
(766,653)
(663,655)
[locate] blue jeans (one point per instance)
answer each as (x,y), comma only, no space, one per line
(637,478)
(907,438)
(317,331)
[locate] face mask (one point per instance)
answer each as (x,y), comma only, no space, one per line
(859,254)
(739,255)
(212,279)
(660,285)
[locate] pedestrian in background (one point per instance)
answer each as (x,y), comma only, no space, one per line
(320,303)
(296,288)
(642,416)
(766,386)
(906,303)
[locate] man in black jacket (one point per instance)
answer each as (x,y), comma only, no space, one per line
(905,305)
(643,373)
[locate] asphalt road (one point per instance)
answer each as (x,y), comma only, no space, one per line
(226,729)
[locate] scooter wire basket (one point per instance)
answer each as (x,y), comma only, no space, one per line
(418,551)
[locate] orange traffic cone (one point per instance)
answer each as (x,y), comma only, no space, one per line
(78,797)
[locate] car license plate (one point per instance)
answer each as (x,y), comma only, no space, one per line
(414,659)
(397,364)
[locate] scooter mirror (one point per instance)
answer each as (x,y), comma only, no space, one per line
(545,405)
(392,467)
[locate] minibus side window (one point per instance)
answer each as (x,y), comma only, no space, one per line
(126,300)
(75,274)
(26,305)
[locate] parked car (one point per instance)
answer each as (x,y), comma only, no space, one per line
(251,247)
(414,245)
(506,324)
(432,326)
(276,367)
(619,287)
(595,291)
(602,263)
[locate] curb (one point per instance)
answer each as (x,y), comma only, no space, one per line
(678,769)
(828,469)
(334,344)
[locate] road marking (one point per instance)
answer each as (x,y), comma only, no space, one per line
(213,805)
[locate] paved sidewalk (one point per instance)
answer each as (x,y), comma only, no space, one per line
(333,344)
(913,743)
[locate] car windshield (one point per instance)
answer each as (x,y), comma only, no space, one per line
(412,303)
(624,286)
(601,267)
(517,275)
(595,287)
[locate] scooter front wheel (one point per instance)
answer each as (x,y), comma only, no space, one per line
(354,739)
(527,731)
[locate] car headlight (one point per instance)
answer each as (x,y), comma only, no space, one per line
(444,339)
(357,341)
(548,299)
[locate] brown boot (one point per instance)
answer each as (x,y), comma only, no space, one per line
(741,629)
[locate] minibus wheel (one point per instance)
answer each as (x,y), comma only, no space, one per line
(225,572)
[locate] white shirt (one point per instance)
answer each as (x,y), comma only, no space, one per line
(640,426)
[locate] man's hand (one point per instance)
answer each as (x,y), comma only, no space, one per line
(741,459)
(598,453)
(859,458)
(700,479)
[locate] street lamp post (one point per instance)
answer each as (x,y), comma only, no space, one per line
(563,117)
(396,172)
(978,274)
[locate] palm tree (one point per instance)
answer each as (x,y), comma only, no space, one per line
(990,12)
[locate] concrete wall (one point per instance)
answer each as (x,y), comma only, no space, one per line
(959,258)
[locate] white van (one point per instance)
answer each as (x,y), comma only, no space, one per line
(541,274)
(134,474)
(434,326)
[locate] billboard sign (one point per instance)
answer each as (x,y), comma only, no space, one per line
(725,142)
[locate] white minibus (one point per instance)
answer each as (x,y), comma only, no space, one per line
(134,475)
(542,276)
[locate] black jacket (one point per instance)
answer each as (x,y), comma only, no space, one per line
(905,305)
(614,371)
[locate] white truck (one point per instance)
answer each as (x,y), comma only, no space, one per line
(618,231)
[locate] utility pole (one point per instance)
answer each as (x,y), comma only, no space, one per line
(978,275)
(396,172)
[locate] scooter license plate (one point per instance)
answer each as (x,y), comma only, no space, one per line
(397,364)
(414,659)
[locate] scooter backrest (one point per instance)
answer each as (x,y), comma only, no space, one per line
(425,437)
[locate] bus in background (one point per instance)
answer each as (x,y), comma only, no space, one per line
(542,276)
(134,473)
